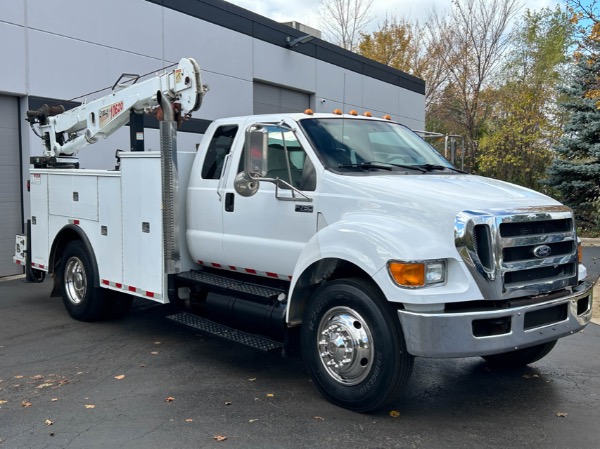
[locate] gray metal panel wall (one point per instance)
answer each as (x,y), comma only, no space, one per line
(270,99)
(10,184)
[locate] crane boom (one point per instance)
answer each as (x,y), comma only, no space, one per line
(66,132)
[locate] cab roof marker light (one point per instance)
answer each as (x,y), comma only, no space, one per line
(353,112)
(368,114)
(387,117)
(308,111)
(337,111)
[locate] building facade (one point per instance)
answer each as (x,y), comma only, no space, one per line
(66,50)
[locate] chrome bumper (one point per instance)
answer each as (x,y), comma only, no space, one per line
(446,335)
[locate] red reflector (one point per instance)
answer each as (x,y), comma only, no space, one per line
(105,282)
(118,285)
(231,267)
(272,275)
(250,270)
(28,185)
(150,294)
(76,222)
(216,265)
(131,289)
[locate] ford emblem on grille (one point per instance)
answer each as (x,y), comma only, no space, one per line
(542,251)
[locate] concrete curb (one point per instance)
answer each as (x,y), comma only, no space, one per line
(596,304)
(585,241)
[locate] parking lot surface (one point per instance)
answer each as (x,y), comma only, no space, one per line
(144,382)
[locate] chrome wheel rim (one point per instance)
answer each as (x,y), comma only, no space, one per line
(75,280)
(345,345)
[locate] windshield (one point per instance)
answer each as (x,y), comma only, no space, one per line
(351,146)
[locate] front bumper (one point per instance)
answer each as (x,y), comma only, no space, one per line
(446,335)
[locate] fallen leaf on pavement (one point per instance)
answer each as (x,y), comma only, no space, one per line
(252,420)
(395,414)
(270,395)
(37,377)
(3,402)
(561,414)
(319,418)
(120,376)
(18,377)
(220,437)
(26,404)
(90,406)
(44,385)
(189,420)
(48,422)
(154,352)
(158,342)
(227,403)
(252,379)
(529,376)
(53,399)
(170,399)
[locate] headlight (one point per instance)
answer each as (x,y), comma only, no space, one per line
(417,274)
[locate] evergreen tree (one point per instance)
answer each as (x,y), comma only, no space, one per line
(575,173)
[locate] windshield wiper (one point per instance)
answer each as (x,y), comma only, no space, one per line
(433,167)
(382,166)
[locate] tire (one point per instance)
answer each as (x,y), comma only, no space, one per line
(340,317)
(83,301)
(520,357)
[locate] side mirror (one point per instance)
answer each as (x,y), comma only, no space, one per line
(255,163)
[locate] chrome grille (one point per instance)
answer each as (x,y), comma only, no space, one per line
(521,252)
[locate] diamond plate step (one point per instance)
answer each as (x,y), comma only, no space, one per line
(225,332)
(225,283)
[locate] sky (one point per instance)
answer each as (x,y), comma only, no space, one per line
(306,11)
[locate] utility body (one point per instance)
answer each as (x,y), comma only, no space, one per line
(345,236)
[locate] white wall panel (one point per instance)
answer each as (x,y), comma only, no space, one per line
(12,11)
(285,67)
(132,25)
(411,106)
(227,97)
(381,96)
(13,66)
(216,49)
(92,67)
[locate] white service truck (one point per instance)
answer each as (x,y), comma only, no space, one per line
(346,236)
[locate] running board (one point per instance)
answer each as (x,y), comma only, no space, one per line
(225,284)
(225,332)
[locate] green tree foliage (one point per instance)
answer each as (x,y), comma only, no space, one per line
(576,171)
(523,122)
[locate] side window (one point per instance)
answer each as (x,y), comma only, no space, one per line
(287,161)
(219,147)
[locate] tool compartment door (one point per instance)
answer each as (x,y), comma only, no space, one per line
(141,209)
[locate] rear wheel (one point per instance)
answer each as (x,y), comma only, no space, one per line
(354,347)
(82,300)
(520,357)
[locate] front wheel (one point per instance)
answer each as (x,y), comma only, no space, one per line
(83,301)
(520,357)
(353,345)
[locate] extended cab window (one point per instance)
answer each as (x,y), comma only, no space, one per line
(287,160)
(220,146)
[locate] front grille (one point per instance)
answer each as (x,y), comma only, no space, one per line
(519,253)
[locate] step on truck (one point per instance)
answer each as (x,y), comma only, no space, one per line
(345,237)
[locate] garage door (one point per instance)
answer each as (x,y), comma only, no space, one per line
(270,99)
(10,184)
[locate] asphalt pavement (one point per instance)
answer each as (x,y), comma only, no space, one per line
(144,382)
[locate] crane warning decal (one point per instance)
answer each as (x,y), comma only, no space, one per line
(108,113)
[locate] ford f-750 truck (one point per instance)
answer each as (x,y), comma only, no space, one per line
(346,236)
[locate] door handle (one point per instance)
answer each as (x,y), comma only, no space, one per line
(229,202)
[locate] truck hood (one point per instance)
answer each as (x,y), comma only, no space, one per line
(422,207)
(444,194)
